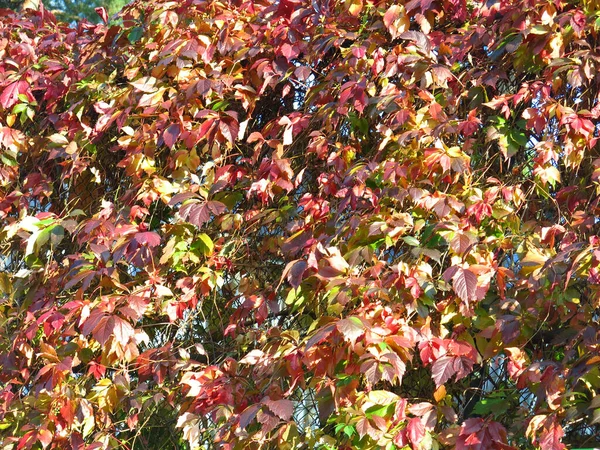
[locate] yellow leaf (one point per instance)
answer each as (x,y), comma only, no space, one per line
(355,7)
(440,393)
(556,46)
(532,261)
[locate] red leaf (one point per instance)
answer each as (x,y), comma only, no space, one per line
(294,271)
(286,8)
(462,242)
(395,18)
(363,427)
(96,370)
(102,13)
(465,284)
(370,369)
(550,438)
(122,330)
(180,198)
(10,94)
(462,366)
(302,73)
(199,213)
(149,238)
(229,129)
(421,40)
(321,334)
(104,329)
(45,437)
(145,84)
(248,416)
(390,15)
(215,207)
(282,408)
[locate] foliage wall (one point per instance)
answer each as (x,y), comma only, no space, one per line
(291,224)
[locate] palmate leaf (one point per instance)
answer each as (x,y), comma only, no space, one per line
(199,212)
(446,367)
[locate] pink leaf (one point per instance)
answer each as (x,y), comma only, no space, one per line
(282,408)
(363,427)
(145,84)
(180,198)
(216,207)
(149,238)
(302,73)
(199,213)
(463,367)
(351,328)
(122,330)
(248,416)
(10,94)
(321,334)
(465,284)
(104,329)
(442,370)
(415,430)
(294,271)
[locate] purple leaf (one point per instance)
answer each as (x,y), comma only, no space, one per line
(171,134)
(442,370)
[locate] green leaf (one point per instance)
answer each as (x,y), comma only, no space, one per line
(204,244)
(19,108)
(349,430)
(135,34)
(494,406)
(410,240)
(380,410)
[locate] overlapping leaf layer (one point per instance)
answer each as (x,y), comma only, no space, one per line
(293,224)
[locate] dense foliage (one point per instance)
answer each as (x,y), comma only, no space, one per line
(69,10)
(301,224)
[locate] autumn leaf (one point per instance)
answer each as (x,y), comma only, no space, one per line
(351,328)
(446,367)
(171,134)
(349,195)
(464,283)
(145,84)
(396,20)
(551,437)
(198,213)
(10,94)
(442,370)
(248,415)
(294,272)
(282,408)
(149,238)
